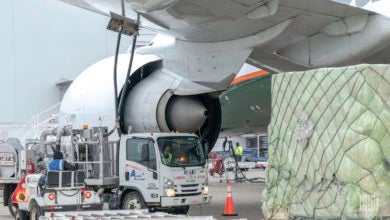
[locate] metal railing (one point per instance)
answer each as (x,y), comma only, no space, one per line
(65,179)
(34,126)
(103,165)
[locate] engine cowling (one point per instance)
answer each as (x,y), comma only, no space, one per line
(147,103)
(151,105)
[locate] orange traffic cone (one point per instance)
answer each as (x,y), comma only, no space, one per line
(229,206)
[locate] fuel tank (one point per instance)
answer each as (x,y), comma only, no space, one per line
(9,157)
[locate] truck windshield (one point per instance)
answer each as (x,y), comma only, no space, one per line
(181,151)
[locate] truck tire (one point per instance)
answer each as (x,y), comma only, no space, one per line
(21,215)
(11,208)
(181,210)
(7,194)
(35,211)
(133,200)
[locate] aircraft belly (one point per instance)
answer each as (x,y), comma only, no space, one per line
(246,107)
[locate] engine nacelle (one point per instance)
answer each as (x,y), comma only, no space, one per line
(147,103)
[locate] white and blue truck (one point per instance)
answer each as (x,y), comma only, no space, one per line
(132,173)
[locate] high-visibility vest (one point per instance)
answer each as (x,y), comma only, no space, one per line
(169,158)
(238,150)
(56,165)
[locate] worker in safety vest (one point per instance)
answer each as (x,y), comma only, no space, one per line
(58,163)
(238,152)
(167,156)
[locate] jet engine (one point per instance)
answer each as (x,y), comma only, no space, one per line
(148,101)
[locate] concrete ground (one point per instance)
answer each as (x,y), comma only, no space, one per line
(246,197)
(4,213)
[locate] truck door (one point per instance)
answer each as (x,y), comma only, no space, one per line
(140,168)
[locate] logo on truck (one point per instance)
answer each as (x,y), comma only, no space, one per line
(190,175)
(137,175)
(7,159)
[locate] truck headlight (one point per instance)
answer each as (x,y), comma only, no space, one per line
(169,187)
(205,190)
(170,192)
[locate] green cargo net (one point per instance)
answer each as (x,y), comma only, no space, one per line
(329,144)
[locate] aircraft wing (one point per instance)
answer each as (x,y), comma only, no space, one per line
(322,32)
(208,43)
(377,6)
(85,5)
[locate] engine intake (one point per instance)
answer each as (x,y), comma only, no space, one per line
(186,114)
(150,105)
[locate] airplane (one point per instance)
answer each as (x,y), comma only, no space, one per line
(175,81)
(246,105)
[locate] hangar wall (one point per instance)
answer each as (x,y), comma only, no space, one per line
(44,43)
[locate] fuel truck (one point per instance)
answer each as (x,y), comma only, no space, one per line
(14,160)
(10,171)
(154,115)
(133,172)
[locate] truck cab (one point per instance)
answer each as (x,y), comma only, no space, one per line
(162,171)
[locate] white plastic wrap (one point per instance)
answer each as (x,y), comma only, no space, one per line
(329,144)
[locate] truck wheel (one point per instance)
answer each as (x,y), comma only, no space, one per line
(11,208)
(182,210)
(21,215)
(35,211)
(133,200)
(7,194)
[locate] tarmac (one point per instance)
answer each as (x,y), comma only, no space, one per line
(246,198)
